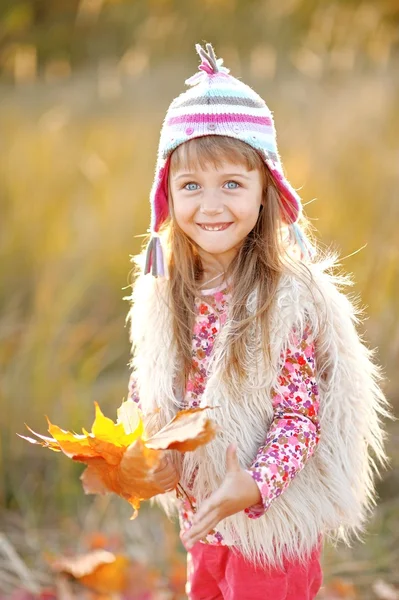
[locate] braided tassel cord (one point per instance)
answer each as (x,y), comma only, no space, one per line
(155,258)
(307,250)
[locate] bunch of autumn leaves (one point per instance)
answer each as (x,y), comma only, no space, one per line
(120,457)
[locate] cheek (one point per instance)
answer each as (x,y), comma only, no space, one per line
(248,212)
(183,210)
(246,208)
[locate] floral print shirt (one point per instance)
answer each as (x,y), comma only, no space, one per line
(295,430)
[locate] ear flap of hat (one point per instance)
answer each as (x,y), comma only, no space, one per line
(159,200)
(291,200)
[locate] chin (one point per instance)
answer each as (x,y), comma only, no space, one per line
(214,250)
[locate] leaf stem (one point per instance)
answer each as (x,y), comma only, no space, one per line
(182,490)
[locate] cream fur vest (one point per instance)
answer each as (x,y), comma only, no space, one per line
(333,493)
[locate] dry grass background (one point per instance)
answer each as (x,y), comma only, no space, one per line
(76,165)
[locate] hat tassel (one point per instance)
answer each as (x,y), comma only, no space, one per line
(155,258)
(307,250)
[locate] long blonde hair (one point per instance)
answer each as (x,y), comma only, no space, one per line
(264,254)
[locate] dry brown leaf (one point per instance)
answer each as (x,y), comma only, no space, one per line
(98,570)
(82,564)
(119,457)
(185,432)
(107,578)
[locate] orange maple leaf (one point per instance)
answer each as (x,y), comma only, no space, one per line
(119,456)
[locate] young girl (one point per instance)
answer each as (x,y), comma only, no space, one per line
(232,309)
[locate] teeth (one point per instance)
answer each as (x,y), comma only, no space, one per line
(212,228)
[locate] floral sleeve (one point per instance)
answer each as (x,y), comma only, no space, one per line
(295,429)
(132,390)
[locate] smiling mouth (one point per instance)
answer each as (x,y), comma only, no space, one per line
(214,227)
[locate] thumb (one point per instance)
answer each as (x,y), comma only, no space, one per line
(232,464)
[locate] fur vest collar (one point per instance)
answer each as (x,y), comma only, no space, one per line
(334,492)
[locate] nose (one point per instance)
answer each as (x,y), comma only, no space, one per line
(211,205)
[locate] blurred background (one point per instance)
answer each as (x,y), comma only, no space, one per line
(84,86)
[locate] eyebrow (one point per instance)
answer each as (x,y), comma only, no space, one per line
(184,175)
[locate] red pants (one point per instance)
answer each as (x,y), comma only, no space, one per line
(218,572)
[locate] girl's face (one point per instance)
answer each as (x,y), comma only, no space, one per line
(217,208)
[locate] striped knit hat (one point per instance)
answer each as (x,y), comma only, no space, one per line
(217,104)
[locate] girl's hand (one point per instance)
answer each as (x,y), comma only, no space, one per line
(165,475)
(237,492)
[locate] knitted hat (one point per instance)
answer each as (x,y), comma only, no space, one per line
(217,104)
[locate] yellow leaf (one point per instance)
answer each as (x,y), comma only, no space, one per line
(106,430)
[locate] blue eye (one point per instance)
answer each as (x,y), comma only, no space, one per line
(232,185)
(189,186)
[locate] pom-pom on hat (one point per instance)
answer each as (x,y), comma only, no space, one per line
(217,104)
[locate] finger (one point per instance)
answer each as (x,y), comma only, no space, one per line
(183,540)
(205,509)
(205,519)
(200,530)
(168,469)
(201,519)
(169,486)
(163,464)
(168,482)
(167,475)
(232,463)
(210,505)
